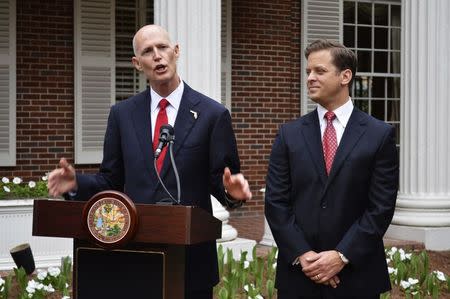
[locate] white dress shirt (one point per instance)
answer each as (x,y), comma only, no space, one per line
(342,113)
(174,100)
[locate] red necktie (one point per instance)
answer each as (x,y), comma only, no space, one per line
(329,141)
(161,119)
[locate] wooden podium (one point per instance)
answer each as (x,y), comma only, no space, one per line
(150,265)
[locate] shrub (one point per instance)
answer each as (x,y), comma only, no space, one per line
(17,188)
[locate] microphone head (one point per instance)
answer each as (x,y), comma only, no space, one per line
(166,129)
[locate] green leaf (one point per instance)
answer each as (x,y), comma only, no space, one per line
(223,293)
(270,286)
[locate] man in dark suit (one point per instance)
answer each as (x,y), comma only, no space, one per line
(331,188)
(205,151)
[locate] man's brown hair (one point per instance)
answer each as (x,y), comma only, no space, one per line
(342,57)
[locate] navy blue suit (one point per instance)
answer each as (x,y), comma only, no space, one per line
(348,211)
(203,147)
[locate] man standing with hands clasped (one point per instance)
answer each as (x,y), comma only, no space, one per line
(205,151)
(331,188)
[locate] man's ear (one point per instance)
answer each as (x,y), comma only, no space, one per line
(136,63)
(176,49)
(346,76)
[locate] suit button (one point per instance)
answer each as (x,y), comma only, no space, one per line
(324,206)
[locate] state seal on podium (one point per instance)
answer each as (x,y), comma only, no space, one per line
(110,218)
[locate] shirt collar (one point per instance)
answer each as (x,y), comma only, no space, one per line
(174,98)
(342,113)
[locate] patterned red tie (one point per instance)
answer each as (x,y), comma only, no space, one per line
(329,141)
(161,119)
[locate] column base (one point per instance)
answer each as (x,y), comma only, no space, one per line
(238,245)
(434,238)
(267,239)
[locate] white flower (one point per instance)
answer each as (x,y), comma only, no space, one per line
(388,261)
(246,264)
(17,180)
(5,180)
(246,287)
(413,281)
(44,178)
(6,189)
(392,271)
(39,286)
(439,275)
(32,286)
(30,295)
(31,184)
(49,288)
(54,271)
(65,297)
(67,285)
(274,265)
(403,255)
(259,297)
(405,284)
(41,274)
(1,281)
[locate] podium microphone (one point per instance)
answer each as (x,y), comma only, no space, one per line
(166,135)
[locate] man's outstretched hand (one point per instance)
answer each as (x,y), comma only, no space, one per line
(62,179)
(236,185)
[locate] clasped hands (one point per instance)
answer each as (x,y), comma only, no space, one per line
(322,267)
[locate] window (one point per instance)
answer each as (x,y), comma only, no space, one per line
(130,16)
(372,30)
(7,83)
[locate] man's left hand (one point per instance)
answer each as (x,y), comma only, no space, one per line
(236,185)
(327,266)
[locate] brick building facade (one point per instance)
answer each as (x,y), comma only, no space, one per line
(265,85)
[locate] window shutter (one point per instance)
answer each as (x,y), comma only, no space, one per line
(7,82)
(94,76)
(321,19)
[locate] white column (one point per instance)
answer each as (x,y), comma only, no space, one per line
(228,232)
(423,204)
(195,25)
(267,238)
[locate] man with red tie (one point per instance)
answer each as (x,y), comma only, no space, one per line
(205,151)
(331,188)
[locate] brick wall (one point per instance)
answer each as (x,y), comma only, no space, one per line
(44,87)
(265,83)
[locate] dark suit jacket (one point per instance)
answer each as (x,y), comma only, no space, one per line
(202,149)
(348,211)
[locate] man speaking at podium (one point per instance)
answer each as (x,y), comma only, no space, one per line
(205,151)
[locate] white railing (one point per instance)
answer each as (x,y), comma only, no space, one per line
(16,218)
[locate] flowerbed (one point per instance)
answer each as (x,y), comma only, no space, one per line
(410,275)
(17,188)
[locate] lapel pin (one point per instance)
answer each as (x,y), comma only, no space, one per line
(194,114)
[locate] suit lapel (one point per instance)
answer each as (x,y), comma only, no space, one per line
(143,129)
(183,124)
(311,133)
(355,129)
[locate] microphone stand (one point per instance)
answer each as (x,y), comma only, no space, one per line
(175,169)
(171,139)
